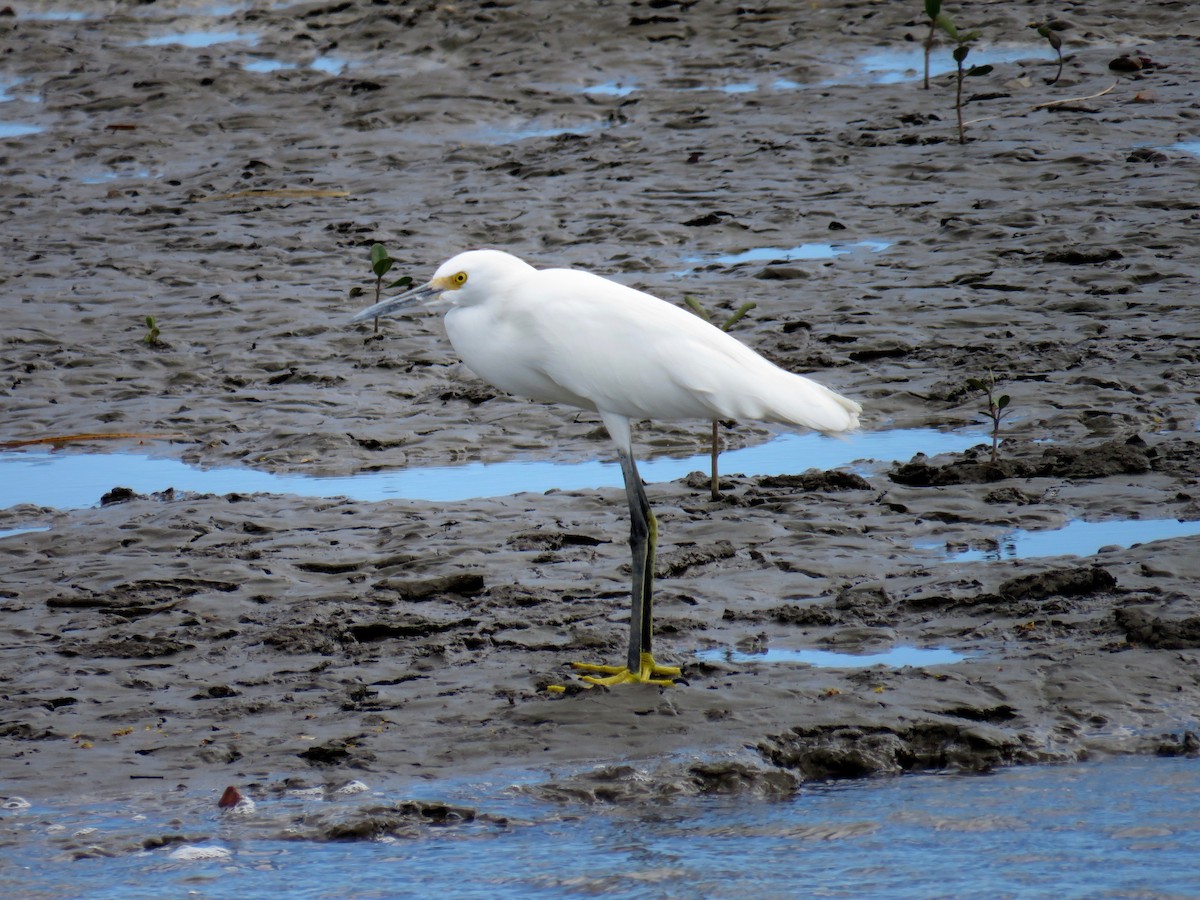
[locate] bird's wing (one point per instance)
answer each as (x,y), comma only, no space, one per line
(617,346)
(634,354)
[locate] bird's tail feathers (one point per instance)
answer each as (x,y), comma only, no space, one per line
(817,407)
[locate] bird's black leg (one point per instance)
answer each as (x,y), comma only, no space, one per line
(643,539)
(643,536)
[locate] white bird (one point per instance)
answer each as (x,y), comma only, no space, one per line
(567,336)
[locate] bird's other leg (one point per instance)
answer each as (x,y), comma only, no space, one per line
(643,541)
(643,538)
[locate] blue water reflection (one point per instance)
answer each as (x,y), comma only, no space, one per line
(17,129)
(787,254)
(68,480)
(895,657)
(893,65)
(610,89)
(1080,538)
(201,39)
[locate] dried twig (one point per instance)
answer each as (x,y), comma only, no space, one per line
(73,438)
(1045,105)
(1077,99)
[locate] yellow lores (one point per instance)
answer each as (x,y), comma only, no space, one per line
(565,336)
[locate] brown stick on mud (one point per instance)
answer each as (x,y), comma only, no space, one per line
(74,438)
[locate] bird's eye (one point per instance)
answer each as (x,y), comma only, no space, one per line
(459,279)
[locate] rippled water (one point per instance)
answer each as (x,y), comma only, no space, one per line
(1118,828)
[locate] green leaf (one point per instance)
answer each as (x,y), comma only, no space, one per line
(356,292)
(380,266)
(1003,401)
(960,52)
(404,281)
(378,252)
(979,70)
(976,384)
(933,8)
(944,22)
(152,333)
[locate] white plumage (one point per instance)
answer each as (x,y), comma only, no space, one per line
(567,336)
(572,337)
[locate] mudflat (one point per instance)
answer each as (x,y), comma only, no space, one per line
(232,191)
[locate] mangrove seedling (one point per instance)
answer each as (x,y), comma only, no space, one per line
(962,47)
(1046,30)
(694,305)
(996,407)
(933,9)
(381,264)
(150,339)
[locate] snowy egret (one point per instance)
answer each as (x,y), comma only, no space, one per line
(566,336)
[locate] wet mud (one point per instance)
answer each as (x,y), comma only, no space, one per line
(278,642)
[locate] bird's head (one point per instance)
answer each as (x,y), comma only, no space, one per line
(463,280)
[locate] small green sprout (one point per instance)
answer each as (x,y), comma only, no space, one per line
(997,407)
(1046,30)
(933,9)
(694,305)
(151,338)
(381,264)
(962,41)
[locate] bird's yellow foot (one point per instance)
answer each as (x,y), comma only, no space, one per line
(649,672)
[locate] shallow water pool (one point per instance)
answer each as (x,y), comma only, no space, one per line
(893,65)
(788,254)
(17,129)
(895,657)
(66,480)
(1080,538)
(200,39)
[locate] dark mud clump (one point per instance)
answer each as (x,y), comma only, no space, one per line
(625,784)
(408,819)
(1070,582)
(834,752)
(1143,627)
(1102,461)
